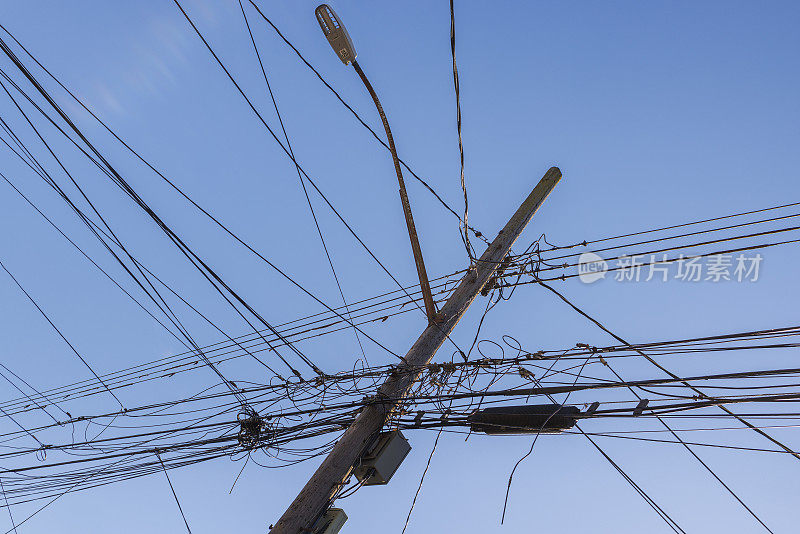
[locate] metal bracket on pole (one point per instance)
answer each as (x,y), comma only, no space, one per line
(425,286)
(334,30)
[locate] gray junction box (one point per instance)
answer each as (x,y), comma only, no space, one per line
(331,522)
(382,459)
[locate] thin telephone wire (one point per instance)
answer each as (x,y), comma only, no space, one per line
(464,226)
(180,508)
(673,432)
(60,334)
(302,181)
(5,497)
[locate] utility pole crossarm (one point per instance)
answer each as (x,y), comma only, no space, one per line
(316,495)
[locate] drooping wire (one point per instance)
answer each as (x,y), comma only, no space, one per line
(464,223)
(358,117)
(421,480)
(536,436)
(286,151)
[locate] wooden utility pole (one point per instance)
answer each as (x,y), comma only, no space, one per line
(315,497)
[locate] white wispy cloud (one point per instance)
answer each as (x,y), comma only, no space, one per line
(146,67)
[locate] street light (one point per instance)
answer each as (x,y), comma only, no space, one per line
(341,43)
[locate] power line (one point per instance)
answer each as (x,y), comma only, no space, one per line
(674,434)
(194,260)
(358,117)
(464,223)
(60,334)
(193,203)
(171,487)
(300,178)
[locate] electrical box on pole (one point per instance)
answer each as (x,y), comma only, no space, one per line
(331,522)
(382,459)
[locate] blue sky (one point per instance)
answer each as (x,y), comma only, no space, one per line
(657,113)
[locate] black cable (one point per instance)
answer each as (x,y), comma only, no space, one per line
(106,167)
(300,178)
(421,480)
(660,511)
(463,224)
(61,335)
(96,230)
(563,277)
(189,199)
(681,246)
(674,434)
(180,508)
(10,516)
(358,117)
(286,151)
(126,292)
(682,225)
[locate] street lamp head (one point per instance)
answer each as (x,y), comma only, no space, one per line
(336,33)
